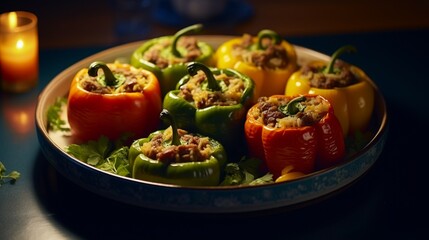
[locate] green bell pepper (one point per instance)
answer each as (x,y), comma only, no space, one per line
(174,156)
(166,57)
(201,103)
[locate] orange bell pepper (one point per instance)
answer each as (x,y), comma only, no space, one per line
(315,144)
(122,101)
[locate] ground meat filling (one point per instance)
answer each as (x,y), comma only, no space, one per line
(342,76)
(268,112)
(193,149)
(156,53)
(134,80)
(272,57)
(195,91)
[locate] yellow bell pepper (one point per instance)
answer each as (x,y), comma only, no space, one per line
(353,104)
(276,60)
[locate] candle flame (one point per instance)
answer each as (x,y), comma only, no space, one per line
(19,44)
(13,20)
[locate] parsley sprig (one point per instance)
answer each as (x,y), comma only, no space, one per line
(102,154)
(11,177)
(245,172)
(54,116)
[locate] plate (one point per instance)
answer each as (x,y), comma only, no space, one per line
(214,199)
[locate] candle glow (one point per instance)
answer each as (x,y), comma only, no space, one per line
(13,20)
(19,63)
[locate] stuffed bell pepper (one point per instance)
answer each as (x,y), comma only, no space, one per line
(212,102)
(299,132)
(114,100)
(167,56)
(345,86)
(267,59)
(175,156)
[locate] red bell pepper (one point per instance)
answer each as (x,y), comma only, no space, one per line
(314,140)
(124,101)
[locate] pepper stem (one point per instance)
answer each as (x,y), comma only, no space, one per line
(194,67)
(180,33)
(266,33)
(109,78)
(334,57)
(293,107)
(165,115)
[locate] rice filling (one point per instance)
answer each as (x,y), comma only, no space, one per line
(188,47)
(269,114)
(193,148)
(272,57)
(134,80)
(195,91)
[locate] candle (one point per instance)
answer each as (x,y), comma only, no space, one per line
(19,51)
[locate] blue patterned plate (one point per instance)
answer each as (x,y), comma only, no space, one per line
(200,199)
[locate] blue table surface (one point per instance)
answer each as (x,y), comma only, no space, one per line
(388,201)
